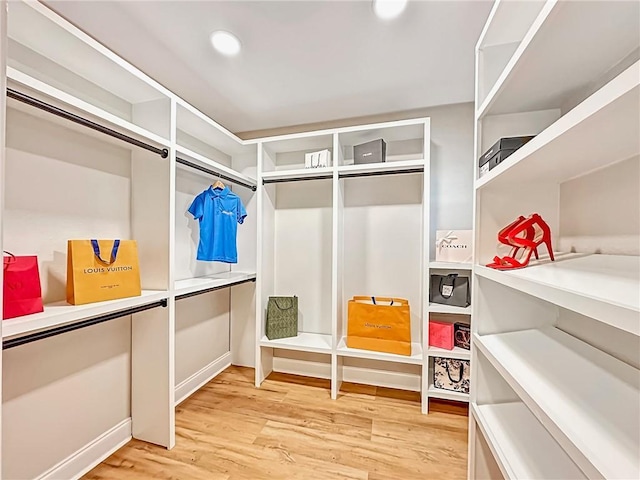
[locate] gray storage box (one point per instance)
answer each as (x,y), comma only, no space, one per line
(370,152)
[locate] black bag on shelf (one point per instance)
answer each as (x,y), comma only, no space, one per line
(450,290)
(462,335)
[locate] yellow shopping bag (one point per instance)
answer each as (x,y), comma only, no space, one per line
(380,324)
(99,270)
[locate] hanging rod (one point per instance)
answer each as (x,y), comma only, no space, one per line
(213,289)
(215,174)
(295,179)
(34,102)
(52,332)
(378,173)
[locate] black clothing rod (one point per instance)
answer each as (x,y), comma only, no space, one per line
(213,289)
(52,332)
(376,174)
(215,174)
(295,179)
(34,102)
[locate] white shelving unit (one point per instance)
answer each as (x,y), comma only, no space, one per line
(555,390)
(326,211)
(137,181)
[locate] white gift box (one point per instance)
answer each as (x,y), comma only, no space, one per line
(454,246)
(318,159)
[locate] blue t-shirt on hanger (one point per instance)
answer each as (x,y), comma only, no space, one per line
(218,211)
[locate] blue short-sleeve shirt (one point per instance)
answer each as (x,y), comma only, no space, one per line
(219,212)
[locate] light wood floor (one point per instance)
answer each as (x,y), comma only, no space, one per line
(291,429)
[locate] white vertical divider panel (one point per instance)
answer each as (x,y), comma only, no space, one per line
(244,298)
(336,272)
(153,331)
(265,266)
(3,88)
(426,235)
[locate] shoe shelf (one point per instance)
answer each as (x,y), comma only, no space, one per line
(440,308)
(442,394)
(450,266)
(457,353)
(219,280)
(547,68)
(304,342)
(415,358)
(575,144)
(521,445)
(60,313)
(587,400)
(604,287)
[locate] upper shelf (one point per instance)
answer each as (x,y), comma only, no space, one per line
(548,67)
(60,313)
(587,400)
(604,287)
(216,167)
(602,130)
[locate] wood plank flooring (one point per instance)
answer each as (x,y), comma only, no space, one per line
(291,429)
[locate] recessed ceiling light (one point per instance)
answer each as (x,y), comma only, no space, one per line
(388,9)
(226,43)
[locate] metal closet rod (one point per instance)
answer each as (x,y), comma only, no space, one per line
(34,102)
(215,174)
(52,332)
(377,174)
(213,289)
(266,181)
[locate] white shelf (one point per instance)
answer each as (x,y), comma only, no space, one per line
(304,342)
(439,308)
(521,445)
(384,167)
(218,280)
(60,313)
(604,287)
(600,131)
(587,400)
(442,394)
(415,358)
(548,66)
(450,266)
(299,174)
(188,154)
(457,353)
(100,115)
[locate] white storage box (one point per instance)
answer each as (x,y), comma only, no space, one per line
(317,159)
(454,246)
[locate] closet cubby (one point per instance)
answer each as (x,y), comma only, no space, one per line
(579,313)
(286,156)
(72,67)
(297,243)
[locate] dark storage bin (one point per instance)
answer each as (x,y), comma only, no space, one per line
(462,335)
(499,151)
(370,152)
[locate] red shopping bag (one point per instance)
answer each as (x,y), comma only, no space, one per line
(22,294)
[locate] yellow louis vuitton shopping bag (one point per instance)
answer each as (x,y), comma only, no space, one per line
(93,278)
(380,324)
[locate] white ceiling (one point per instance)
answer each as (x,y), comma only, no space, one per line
(301,62)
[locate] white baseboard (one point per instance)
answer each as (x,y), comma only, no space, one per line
(192,384)
(93,453)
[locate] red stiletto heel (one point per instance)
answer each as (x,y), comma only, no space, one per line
(542,235)
(503,237)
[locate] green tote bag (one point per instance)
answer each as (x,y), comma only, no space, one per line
(282,317)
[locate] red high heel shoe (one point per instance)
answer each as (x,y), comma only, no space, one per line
(503,237)
(542,235)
